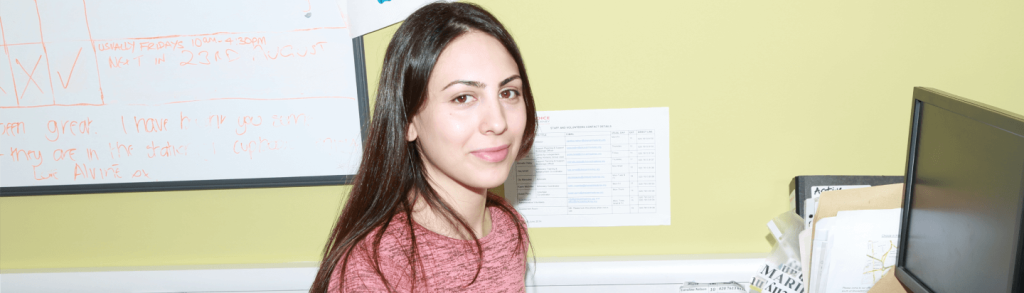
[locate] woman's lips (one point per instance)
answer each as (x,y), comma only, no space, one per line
(493,155)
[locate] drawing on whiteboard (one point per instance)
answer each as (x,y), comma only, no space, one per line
(101,92)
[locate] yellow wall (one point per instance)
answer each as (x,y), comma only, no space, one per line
(758,91)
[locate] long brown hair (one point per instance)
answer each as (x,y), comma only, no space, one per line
(391,166)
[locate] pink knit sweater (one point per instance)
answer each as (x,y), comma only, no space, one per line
(448,264)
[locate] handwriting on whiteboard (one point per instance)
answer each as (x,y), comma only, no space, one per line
(76,156)
(104,92)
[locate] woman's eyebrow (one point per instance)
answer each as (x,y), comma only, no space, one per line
(465,82)
(480,84)
(509,79)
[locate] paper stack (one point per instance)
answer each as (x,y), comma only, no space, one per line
(851,251)
(854,241)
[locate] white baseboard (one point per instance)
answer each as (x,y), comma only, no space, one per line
(575,274)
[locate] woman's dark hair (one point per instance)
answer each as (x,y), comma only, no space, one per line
(391,166)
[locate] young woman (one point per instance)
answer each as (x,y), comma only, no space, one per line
(453,112)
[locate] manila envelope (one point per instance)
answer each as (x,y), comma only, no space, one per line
(871,198)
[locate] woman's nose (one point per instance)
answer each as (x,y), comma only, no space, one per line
(492,119)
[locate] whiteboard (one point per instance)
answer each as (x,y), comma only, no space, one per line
(106,96)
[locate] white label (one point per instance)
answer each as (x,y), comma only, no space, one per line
(720,287)
(817,190)
(775,230)
(792,199)
(810,207)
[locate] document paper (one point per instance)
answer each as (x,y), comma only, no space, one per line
(863,248)
(595,168)
(820,254)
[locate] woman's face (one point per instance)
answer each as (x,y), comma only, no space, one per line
(470,127)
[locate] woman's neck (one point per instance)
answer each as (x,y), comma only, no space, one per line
(467,202)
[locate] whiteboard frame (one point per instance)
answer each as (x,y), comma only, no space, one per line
(364,118)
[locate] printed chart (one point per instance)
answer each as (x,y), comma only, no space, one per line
(588,170)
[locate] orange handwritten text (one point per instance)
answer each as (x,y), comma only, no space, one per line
(182,119)
(65,127)
(117,62)
(17,154)
(120,149)
(254,41)
(166,151)
(218,119)
(118,46)
(198,42)
(49,175)
(291,51)
(97,173)
(150,124)
(12,128)
(60,154)
(258,145)
(171,45)
(140,173)
(245,121)
(206,58)
(292,119)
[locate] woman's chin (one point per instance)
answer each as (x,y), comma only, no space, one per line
(487,180)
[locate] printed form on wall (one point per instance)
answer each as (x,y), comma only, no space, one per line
(595,168)
(145,91)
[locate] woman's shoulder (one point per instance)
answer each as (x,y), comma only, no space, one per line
(394,235)
(360,270)
(392,246)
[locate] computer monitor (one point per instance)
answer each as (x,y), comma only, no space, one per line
(963,198)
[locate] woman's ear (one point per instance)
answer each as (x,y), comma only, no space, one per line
(410,134)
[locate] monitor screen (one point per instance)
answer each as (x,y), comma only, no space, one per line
(962,210)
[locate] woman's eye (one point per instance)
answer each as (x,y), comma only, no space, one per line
(509,94)
(461,99)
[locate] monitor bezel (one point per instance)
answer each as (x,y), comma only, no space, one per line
(973,110)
